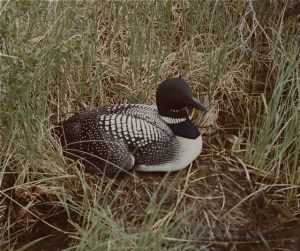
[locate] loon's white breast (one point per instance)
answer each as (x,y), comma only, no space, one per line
(189,150)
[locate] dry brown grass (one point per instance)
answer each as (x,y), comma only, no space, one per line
(59,57)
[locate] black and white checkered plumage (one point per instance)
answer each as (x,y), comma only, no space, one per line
(126,136)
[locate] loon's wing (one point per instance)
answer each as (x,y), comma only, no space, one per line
(117,133)
(149,138)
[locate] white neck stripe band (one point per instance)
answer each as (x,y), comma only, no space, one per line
(169,120)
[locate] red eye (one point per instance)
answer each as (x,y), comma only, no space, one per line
(176,94)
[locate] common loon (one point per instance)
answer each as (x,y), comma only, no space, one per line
(146,138)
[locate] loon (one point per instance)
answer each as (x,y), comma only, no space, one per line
(146,138)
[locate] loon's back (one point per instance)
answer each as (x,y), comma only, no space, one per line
(111,136)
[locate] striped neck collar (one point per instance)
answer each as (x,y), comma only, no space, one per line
(172,121)
(180,124)
(172,117)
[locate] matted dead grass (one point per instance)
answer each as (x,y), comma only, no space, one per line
(218,203)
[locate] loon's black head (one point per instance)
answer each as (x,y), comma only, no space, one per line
(174,94)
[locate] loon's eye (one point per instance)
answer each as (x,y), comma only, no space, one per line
(176,94)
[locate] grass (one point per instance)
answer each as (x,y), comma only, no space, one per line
(241,59)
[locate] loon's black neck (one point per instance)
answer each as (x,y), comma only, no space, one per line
(180,123)
(185,129)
